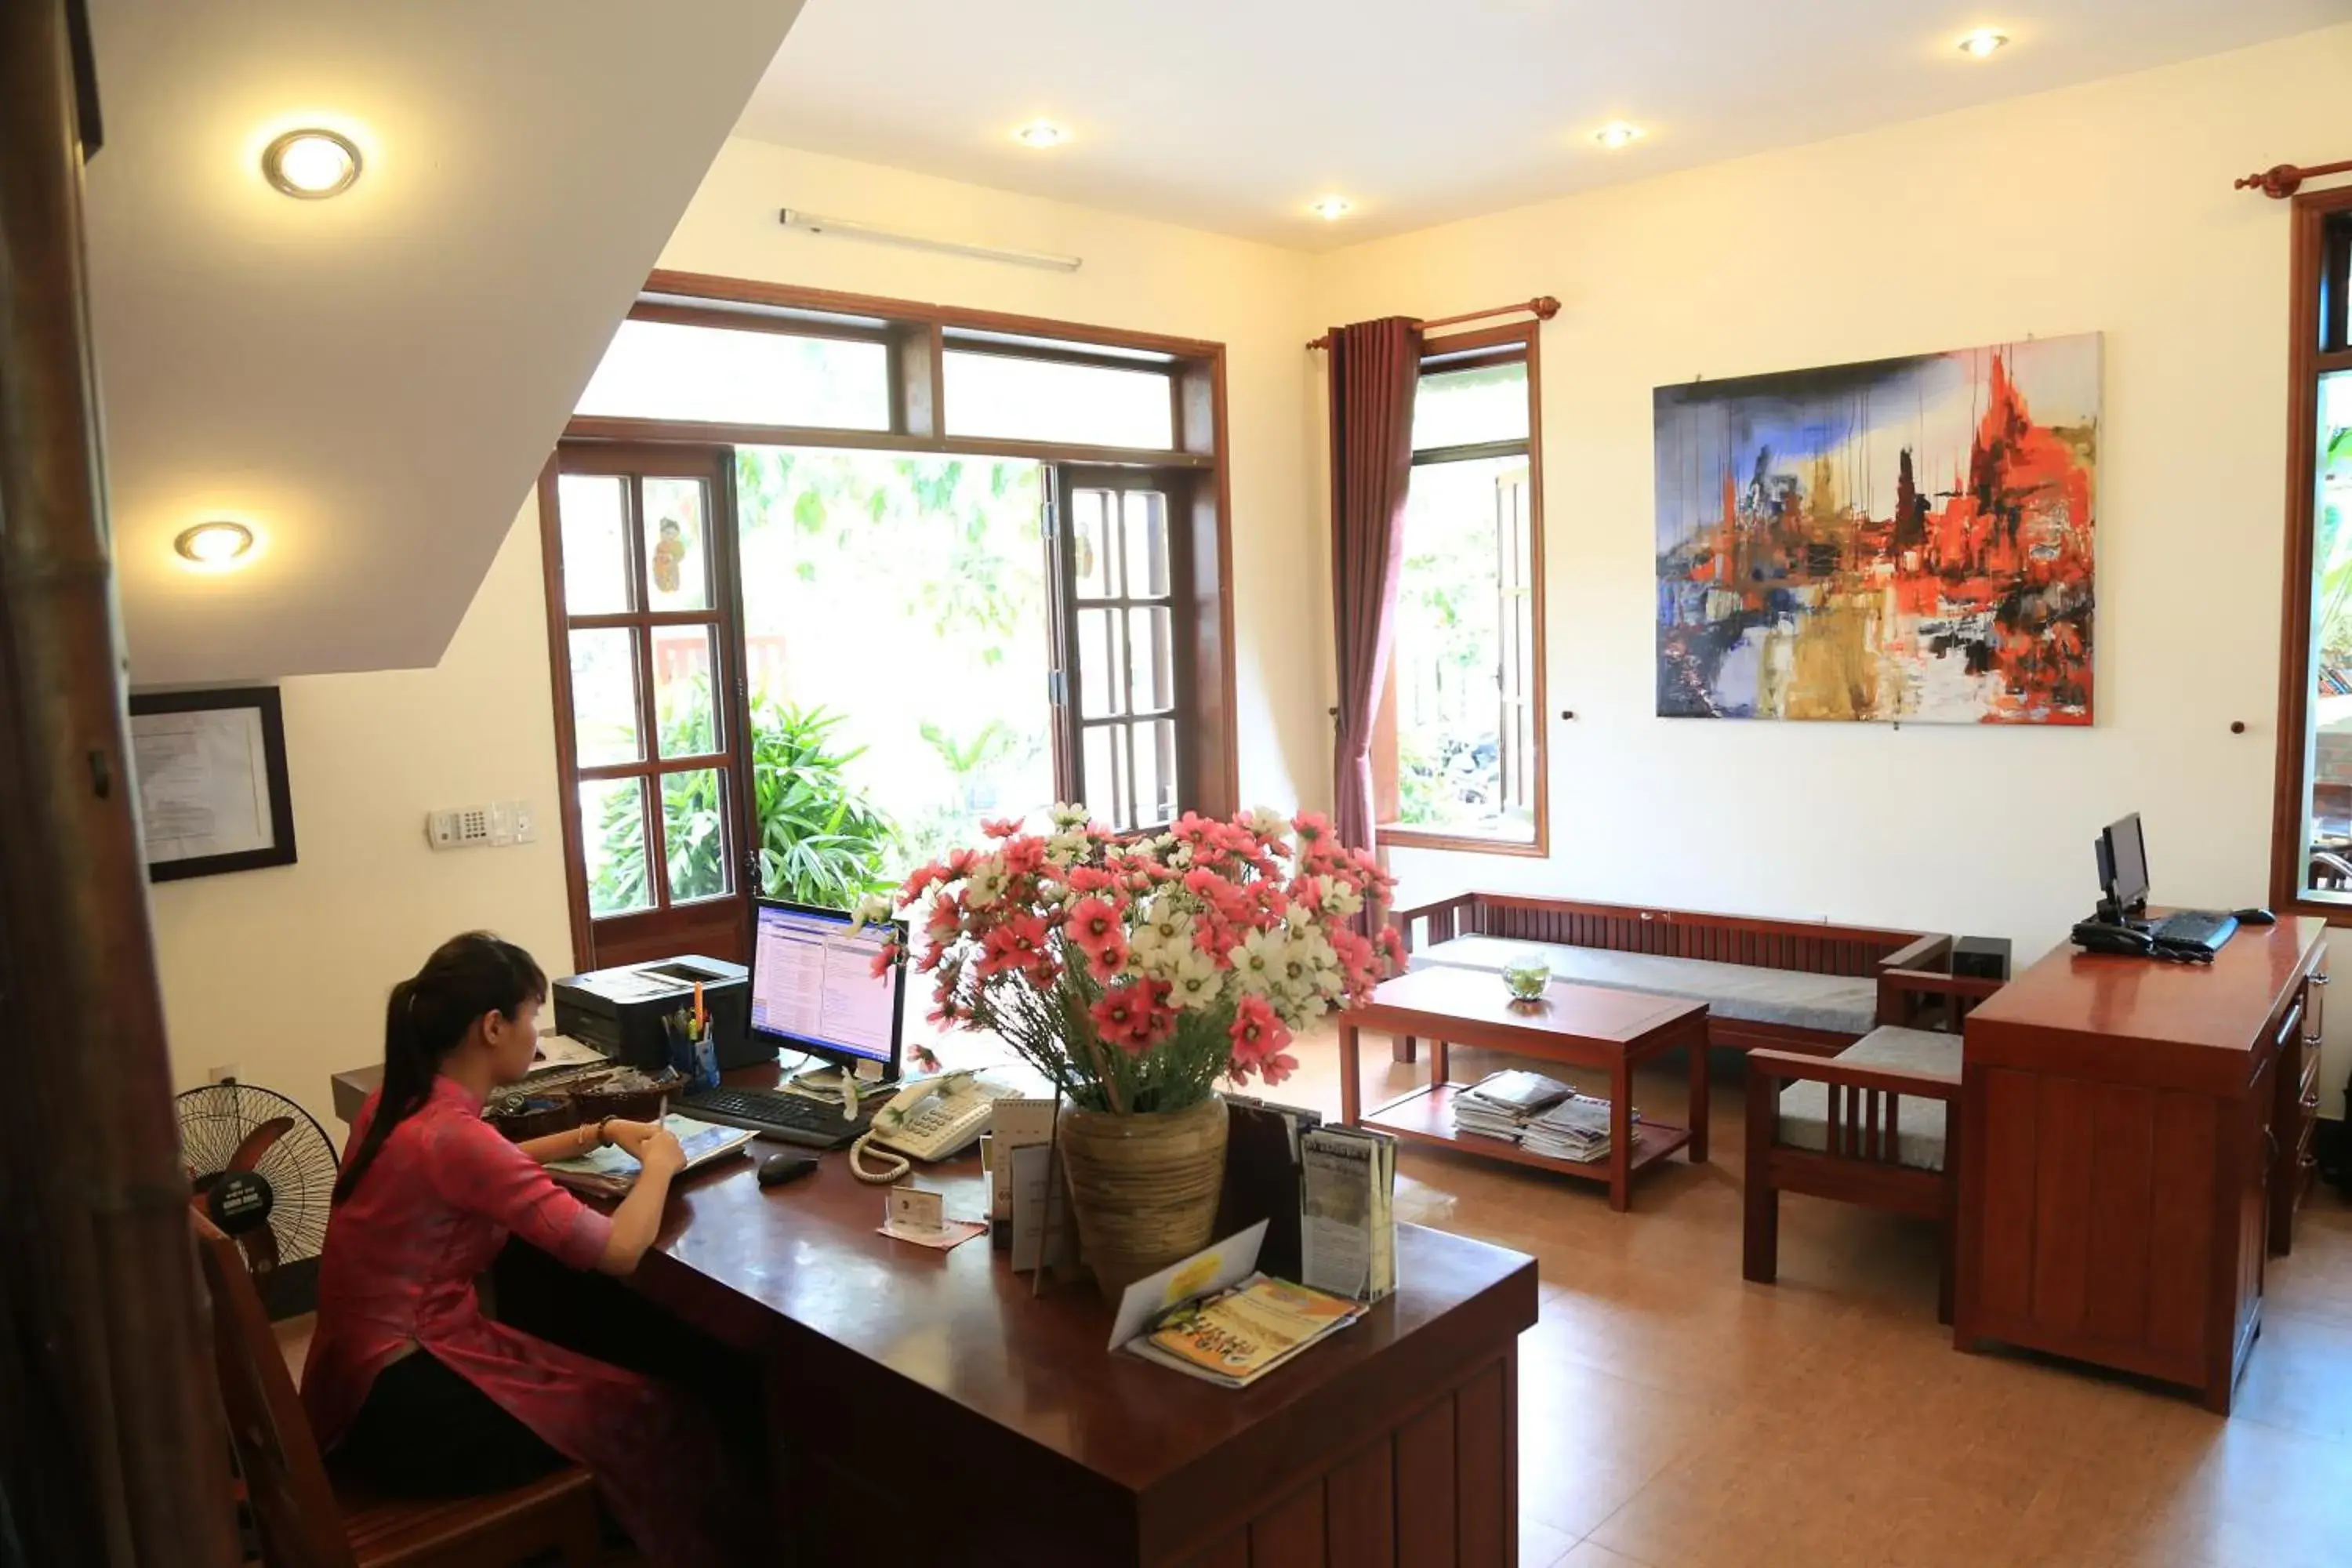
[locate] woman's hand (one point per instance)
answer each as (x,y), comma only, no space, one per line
(629,1136)
(659,1152)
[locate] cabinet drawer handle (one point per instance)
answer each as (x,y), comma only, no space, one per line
(2287,1025)
(2310,1102)
(2319,977)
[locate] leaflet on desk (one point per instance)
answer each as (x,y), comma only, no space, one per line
(1347,1212)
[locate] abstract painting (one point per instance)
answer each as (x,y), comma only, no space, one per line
(1901,540)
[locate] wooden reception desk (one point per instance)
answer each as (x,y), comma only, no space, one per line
(2134,1139)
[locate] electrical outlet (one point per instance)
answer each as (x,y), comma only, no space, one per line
(502,823)
(526,822)
(222,1073)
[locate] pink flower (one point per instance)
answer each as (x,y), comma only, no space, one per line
(1277,1066)
(1017,944)
(1002,827)
(946,919)
(886,959)
(1023,856)
(1090,880)
(1257,1035)
(920,881)
(1135,1014)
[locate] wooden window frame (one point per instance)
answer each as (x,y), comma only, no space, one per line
(1195,473)
(1469,351)
(2313,323)
(715,925)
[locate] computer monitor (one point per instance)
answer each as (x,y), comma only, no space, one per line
(2123,865)
(813,987)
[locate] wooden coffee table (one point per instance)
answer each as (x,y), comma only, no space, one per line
(1583,1026)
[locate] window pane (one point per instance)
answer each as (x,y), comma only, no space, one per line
(1047,400)
(595,548)
(677,561)
(1095,566)
(1463,407)
(1451,606)
(612,845)
(604,696)
(694,830)
(1151,662)
(683,662)
(1147,543)
(1103,753)
(1155,771)
(2328,865)
(1102,681)
(659,370)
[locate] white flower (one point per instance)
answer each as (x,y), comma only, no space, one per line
(871,909)
(1271,826)
(1343,900)
(1258,961)
(1068,848)
(1194,979)
(985,885)
(1068,814)
(1179,856)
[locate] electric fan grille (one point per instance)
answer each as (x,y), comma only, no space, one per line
(230,1126)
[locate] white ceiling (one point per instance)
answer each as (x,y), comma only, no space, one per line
(371,382)
(1233,114)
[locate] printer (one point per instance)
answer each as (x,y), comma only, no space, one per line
(620,1011)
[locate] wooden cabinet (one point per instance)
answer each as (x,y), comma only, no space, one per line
(2131,1140)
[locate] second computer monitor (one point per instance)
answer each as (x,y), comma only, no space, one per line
(2123,865)
(813,987)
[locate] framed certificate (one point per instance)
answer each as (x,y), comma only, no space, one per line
(213,794)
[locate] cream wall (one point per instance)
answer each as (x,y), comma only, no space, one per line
(284,972)
(1151,276)
(2105,209)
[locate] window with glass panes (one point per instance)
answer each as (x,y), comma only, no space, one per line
(2312,822)
(643,577)
(1458,746)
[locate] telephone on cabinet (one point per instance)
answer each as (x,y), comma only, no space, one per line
(932,1119)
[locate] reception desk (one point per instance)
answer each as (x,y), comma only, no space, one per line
(2134,1139)
(925,1409)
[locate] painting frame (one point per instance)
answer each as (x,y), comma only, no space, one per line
(177,733)
(1906,539)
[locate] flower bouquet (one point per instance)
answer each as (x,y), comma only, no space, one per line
(1136,973)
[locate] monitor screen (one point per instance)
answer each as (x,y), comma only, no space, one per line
(2125,863)
(813,988)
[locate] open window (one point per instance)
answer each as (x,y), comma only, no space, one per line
(1458,745)
(2312,824)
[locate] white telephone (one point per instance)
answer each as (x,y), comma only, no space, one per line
(929,1119)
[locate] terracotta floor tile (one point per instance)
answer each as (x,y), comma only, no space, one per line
(1676,1417)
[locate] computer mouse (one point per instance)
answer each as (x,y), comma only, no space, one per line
(2256,917)
(778,1169)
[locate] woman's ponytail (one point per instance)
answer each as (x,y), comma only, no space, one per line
(428,1016)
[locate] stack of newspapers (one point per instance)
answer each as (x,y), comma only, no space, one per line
(1503,1105)
(1577,1128)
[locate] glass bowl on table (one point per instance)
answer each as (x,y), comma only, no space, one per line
(1526,975)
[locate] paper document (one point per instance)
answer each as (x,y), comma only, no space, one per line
(1207,1271)
(204,787)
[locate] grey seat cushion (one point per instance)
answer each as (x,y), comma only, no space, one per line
(1919,1130)
(1840,1004)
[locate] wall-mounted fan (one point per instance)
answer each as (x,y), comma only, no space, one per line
(263,1171)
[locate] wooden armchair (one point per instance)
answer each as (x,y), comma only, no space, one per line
(1877,1125)
(305,1519)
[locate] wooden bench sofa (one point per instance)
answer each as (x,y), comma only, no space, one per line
(1799,986)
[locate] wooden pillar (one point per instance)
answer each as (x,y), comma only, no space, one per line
(112,1450)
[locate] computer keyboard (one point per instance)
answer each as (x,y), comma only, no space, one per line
(773,1113)
(2194,928)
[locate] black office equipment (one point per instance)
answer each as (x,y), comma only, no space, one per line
(1981,957)
(2121,854)
(619,1011)
(778,1169)
(773,1113)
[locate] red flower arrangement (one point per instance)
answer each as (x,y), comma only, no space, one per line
(1136,972)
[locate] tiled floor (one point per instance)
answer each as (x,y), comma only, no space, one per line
(1673,1415)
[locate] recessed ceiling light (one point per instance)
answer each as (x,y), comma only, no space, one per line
(218,544)
(312,165)
(1983,43)
(1331,209)
(1619,133)
(1040,134)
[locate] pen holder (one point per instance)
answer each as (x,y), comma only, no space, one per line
(695,1060)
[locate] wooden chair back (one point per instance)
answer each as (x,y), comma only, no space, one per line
(286,1484)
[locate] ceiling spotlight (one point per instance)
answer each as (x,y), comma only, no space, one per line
(1618,133)
(312,165)
(1983,43)
(1041,134)
(218,544)
(1331,209)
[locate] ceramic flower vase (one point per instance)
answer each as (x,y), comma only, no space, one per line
(1144,1188)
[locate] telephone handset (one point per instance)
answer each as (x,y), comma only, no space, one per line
(932,1119)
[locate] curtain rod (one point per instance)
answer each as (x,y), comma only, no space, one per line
(1543,307)
(2280,181)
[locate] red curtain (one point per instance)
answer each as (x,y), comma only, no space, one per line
(1375,366)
